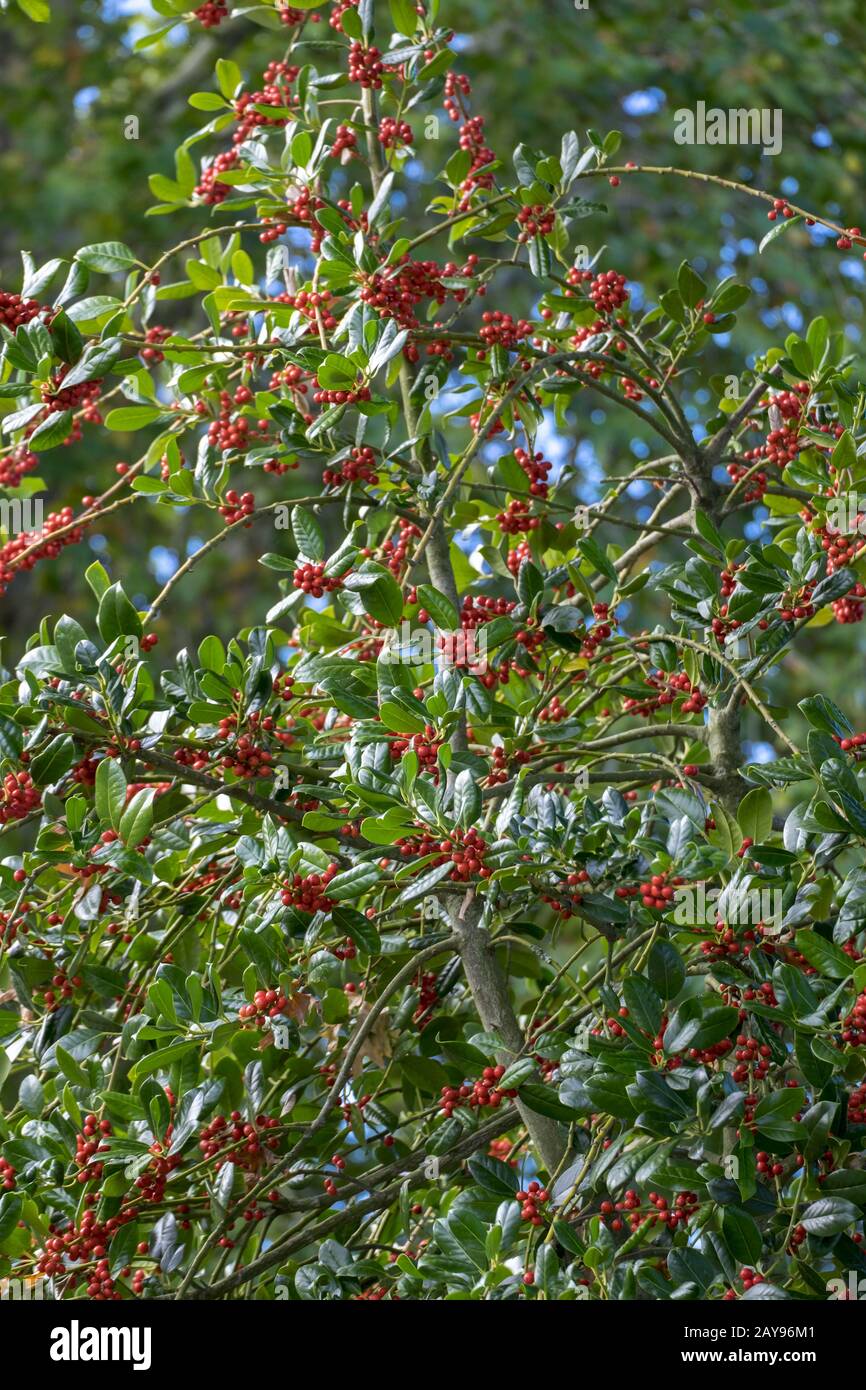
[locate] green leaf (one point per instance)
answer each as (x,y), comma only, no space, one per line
(71,1069)
(354,882)
(53,430)
(829,1215)
(607,1094)
(824,955)
(666,969)
(67,340)
(110,792)
(467,799)
(783,225)
(37,10)
(420,887)
(544,1101)
(404,17)
(116,616)
(382,598)
(95,361)
(131,417)
(442,611)
(137,819)
(643,1003)
(540,260)
(823,714)
(493,1175)
(54,761)
(161,1059)
(774,1113)
(97,578)
(741,1235)
(308,535)
(106,256)
(755,815)
(690,285)
(229,76)
(11,738)
(358,927)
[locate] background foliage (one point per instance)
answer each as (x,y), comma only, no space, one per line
(427,979)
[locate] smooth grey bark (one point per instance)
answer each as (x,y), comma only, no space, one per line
(490,993)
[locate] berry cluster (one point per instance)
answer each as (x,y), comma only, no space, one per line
(396,292)
(56,398)
(266,1003)
(425,746)
(466,850)
(598,633)
(780,208)
(608,291)
(765,1165)
(657,893)
(245,759)
(235,431)
(20,797)
(238,507)
(15,464)
(670,686)
(274,96)
(340,8)
(856,1105)
(209,188)
(535,220)
(752,1058)
(327,396)
(684,1207)
(393,132)
(854,1025)
(365,66)
(499,329)
(61,988)
(309,893)
(89,1240)
(473,140)
(428,998)
(850,609)
(517,518)
(531,1199)
(479,1095)
(345,139)
(150,353)
(553,712)
(311,579)
(152,1182)
(246,1140)
(360,466)
(797,605)
(212,13)
(727,943)
(536,467)
(15,311)
(89,1143)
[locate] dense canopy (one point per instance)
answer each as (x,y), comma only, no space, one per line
(434,862)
